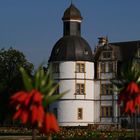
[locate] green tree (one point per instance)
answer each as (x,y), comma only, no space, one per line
(10,78)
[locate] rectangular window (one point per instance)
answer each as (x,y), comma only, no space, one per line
(106,89)
(55,67)
(102,67)
(80,67)
(55,112)
(80,113)
(106,111)
(80,89)
(107,55)
(110,67)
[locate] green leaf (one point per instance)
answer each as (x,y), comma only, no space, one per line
(117,83)
(138,80)
(37,81)
(26,80)
(51,99)
(53,89)
(47,88)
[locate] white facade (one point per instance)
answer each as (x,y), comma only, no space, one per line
(91,99)
(105,103)
(68,106)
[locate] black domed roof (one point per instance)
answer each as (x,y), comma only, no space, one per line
(71,48)
(72,13)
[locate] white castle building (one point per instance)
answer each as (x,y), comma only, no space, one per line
(91,98)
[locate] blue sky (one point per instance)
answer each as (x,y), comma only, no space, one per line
(34,26)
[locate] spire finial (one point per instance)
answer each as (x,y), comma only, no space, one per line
(107,39)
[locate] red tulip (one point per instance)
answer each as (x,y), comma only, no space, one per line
(24,116)
(21,114)
(27,101)
(54,124)
(19,97)
(34,114)
(132,88)
(50,124)
(121,96)
(137,101)
(130,91)
(17,114)
(130,107)
(29,107)
(40,115)
(37,98)
(37,114)
(130,96)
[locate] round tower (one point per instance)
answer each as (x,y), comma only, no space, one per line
(72,63)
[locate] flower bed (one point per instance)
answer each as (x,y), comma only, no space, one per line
(81,133)
(71,133)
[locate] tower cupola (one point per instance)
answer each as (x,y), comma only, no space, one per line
(71,47)
(72,21)
(72,13)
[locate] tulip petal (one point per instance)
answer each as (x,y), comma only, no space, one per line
(34,113)
(17,114)
(37,97)
(24,116)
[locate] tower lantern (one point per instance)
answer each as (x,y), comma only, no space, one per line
(72,21)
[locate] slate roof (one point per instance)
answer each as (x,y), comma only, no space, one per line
(128,49)
(71,48)
(72,13)
(125,51)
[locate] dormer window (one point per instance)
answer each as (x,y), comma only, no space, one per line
(86,52)
(107,55)
(57,51)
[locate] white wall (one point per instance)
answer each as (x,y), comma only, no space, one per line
(68,79)
(104,100)
(67,112)
(65,85)
(67,106)
(67,70)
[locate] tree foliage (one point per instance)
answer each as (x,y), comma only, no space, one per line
(10,77)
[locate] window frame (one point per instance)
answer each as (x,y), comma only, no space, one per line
(80,67)
(81,89)
(102,67)
(80,113)
(106,55)
(106,89)
(106,111)
(110,69)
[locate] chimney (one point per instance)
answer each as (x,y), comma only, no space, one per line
(102,41)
